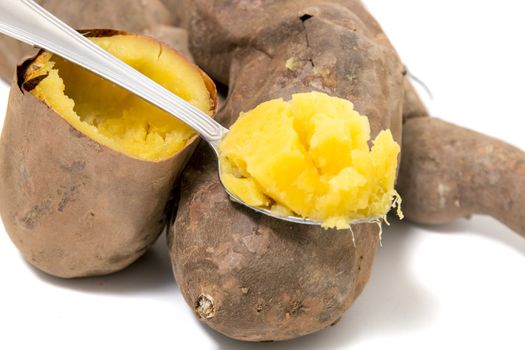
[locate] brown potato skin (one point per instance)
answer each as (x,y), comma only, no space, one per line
(449,172)
(73,207)
(141,17)
(248,276)
(265,279)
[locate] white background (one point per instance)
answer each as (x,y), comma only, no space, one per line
(459,286)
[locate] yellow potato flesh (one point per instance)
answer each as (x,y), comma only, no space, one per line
(114,117)
(310,157)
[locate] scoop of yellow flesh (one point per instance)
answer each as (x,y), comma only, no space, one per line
(114,117)
(310,157)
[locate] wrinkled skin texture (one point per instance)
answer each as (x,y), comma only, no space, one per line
(448,172)
(248,39)
(148,17)
(73,207)
(248,276)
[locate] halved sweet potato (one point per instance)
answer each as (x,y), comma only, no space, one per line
(86,168)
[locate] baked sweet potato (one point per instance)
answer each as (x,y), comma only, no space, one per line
(86,168)
(246,275)
(448,172)
(142,17)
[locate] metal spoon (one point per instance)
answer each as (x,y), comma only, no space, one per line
(28,22)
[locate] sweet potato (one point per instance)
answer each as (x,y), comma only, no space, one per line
(246,275)
(142,17)
(83,191)
(448,172)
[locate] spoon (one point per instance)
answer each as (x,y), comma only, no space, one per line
(28,22)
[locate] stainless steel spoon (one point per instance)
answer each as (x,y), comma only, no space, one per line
(28,22)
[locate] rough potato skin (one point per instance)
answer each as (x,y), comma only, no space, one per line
(448,172)
(136,16)
(229,39)
(73,207)
(248,276)
(262,279)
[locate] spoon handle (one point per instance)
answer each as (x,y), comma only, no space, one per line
(28,22)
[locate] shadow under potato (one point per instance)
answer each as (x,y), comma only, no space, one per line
(150,274)
(484,226)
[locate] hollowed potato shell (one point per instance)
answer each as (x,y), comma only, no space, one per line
(72,206)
